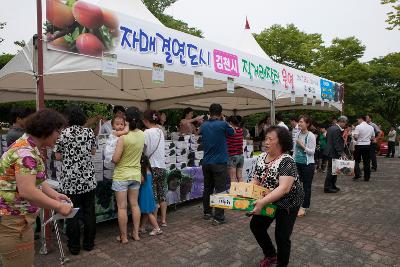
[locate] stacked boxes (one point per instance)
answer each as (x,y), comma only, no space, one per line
(226,201)
(183,151)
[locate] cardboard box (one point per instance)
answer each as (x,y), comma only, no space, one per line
(248,190)
(181,144)
(170,159)
(169,145)
(227,201)
(183,158)
(181,152)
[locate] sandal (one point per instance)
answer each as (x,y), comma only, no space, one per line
(119,240)
(302,212)
(135,239)
(156,232)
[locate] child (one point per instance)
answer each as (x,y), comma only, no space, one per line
(147,203)
(119,128)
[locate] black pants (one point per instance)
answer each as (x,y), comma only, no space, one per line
(330,180)
(364,153)
(391,149)
(374,163)
(215,176)
(306,175)
(86,204)
(285,219)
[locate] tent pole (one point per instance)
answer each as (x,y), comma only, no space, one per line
(272,105)
(39,47)
(148,103)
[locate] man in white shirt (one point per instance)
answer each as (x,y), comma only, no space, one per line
(391,142)
(279,122)
(363,134)
(294,122)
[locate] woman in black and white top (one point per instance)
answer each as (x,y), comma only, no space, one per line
(276,170)
(154,149)
(75,148)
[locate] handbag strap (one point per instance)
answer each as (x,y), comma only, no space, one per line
(158,144)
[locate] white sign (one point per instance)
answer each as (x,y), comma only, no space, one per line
(230,85)
(198,80)
(305,100)
(158,73)
(293,97)
(110,64)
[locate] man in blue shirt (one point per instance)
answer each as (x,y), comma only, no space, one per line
(215,160)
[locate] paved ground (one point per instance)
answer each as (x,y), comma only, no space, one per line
(357,227)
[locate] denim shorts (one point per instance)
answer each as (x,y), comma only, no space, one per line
(236,161)
(121,186)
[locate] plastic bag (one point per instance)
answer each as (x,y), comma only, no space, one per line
(343,167)
(109,149)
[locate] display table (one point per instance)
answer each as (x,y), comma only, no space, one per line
(183,185)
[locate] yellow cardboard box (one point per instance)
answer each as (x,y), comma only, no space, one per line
(248,190)
(228,201)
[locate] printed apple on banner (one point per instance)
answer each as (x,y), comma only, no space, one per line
(80,27)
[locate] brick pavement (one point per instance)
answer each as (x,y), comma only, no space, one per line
(357,227)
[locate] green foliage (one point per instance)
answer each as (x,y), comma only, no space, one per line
(4,59)
(290,46)
(393,17)
(344,51)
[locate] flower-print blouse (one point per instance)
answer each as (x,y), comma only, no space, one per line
(22,157)
(268,175)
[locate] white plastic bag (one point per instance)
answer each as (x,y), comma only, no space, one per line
(109,149)
(343,167)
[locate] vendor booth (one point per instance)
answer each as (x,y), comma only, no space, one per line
(125,56)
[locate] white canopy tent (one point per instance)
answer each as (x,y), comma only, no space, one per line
(69,76)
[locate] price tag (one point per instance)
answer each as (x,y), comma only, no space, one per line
(198,80)
(230,85)
(305,100)
(293,97)
(314,101)
(109,65)
(158,73)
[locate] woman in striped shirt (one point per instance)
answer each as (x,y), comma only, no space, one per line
(235,151)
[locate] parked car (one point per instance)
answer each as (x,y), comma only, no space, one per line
(383,148)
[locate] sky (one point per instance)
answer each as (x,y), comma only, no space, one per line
(223,20)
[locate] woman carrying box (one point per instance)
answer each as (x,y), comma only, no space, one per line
(276,170)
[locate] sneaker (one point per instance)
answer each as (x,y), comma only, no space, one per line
(216,222)
(268,261)
(156,232)
(207,216)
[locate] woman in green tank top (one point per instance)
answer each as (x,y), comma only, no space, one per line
(127,175)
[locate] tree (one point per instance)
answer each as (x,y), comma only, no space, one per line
(290,46)
(386,80)
(344,51)
(4,59)
(393,18)
(157,8)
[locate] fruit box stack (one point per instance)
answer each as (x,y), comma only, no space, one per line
(242,196)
